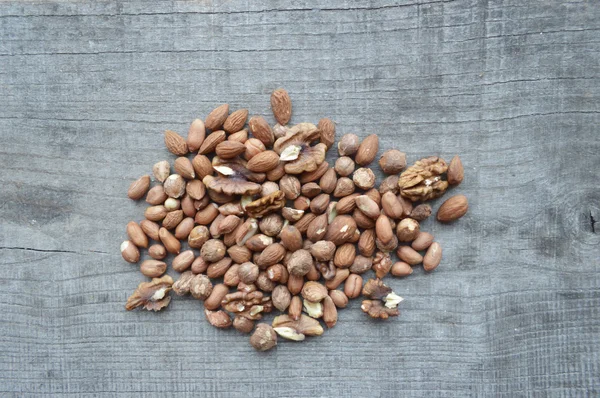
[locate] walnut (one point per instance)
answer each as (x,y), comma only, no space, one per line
(238,302)
(233,178)
(376,290)
(264,337)
(266,204)
(423,180)
(375,309)
(151,295)
(294,149)
(181,287)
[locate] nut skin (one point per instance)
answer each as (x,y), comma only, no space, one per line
(348,145)
(455,173)
(172,219)
(278,273)
(353,286)
(344,166)
(453,208)
(392,161)
(422,241)
(317,228)
(407,230)
(409,255)
(264,337)
(433,256)
(367,150)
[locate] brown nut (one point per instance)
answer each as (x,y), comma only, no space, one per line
(344,187)
(314,291)
(344,166)
(157,251)
(361,264)
(243,324)
(341,274)
(151,229)
(153,268)
(366,243)
(422,241)
(248,272)
(278,273)
(328,181)
(295,283)
(271,255)
(183,260)
(455,173)
(161,170)
(156,195)
(236,121)
(383,229)
(392,161)
(432,257)
(362,220)
(339,298)
(218,268)
(329,312)
(348,145)
(367,206)
(213,250)
(409,255)
(364,178)
(290,185)
(340,230)
(232,276)
(401,268)
(216,295)
(172,219)
(299,263)
(170,242)
(271,224)
(317,228)
(319,204)
(261,130)
(155,213)
(367,150)
(139,187)
(199,265)
(174,186)
(201,288)
(196,135)
(407,230)
(421,212)
(217,117)
(389,184)
(322,250)
(453,208)
(392,207)
(353,286)
(198,236)
(344,255)
(291,238)
(253,148)
(347,204)
(218,319)
(136,234)
(264,337)
(281,297)
(327,128)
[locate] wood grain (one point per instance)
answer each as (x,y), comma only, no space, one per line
(87,88)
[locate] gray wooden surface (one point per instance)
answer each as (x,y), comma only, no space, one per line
(87,88)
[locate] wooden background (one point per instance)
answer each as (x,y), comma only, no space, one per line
(87,88)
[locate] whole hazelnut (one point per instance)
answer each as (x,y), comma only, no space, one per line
(300,262)
(407,230)
(198,236)
(213,250)
(290,186)
(344,166)
(264,337)
(243,324)
(271,224)
(344,187)
(268,188)
(248,272)
(281,297)
(174,186)
(392,161)
(364,178)
(348,145)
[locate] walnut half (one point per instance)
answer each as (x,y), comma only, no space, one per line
(423,180)
(151,295)
(266,204)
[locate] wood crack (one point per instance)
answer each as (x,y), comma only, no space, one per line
(50,250)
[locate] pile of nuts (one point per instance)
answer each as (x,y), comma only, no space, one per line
(269,224)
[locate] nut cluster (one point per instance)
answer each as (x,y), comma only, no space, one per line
(257,220)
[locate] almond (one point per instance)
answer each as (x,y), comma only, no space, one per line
(327,128)
(322,250)
(156,195)
(202,166)
(236,121)
(314,175)
(453,208)
(340,230)
(432,257)
(196,134)
(366,243)
(291,238)
(253,147)
(151,229)
(263,162)
(304,222)
(228,224)
(362,220)
(422,241)
(317,228)
(230,149)
(155,213)
(172,219)
(281,104)
(175,143)
(184,167)
(271,255)
(239,136)
(153,268)
(217,117)
(409,255)
(455,173)
(161,170)
(139,187)
(328,181)
(211,142)
(344,255)
(170,242)
(136,234)
(195,189)
(367,150)
(219,268)
(130,252)
(183,260)
(261,130)
(347,204)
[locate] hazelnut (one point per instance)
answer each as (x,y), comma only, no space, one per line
(311,189)
(300,262)
(271,224)
(348,145)
(264,283)
(344,187)
(248,272)
(198,236)
(364,178)
(407,230)
(392,161)
(268,188)
(344,166)
(319,204)
(174,186)
(389,184)
(213,250)
(264,337)
(243,324)
(281,297)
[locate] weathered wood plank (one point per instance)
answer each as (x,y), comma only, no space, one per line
(88,87)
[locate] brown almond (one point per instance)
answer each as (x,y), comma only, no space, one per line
(130,252)
(229,149)
(139,187)
(157,251)
(271,255)
(401,268)
(155,213)
(195,189)
(239,136)
(151,228)
(328,181)
(409,255)
(236,121)
(432,257)
(228,224)
(341,274)
(183,166)
(263,162)
(453,208)
(291,238)
(259,242)
(340,230)
(327,128)
(367,150)
(295,283)
(183,261)
(175,143)
(216,296)
(304,222)
(455,173)
(281,104)
(196,135)
(310,176)
(217,117)
(422,241)
(366,243)
(383,229)
(261,130)
(317,228)
(136,234)
(320,203)
(202,166)
(344,255)
(347,204)
(170,242)
(172,219)
(232,276)
(343,187)
(218,268)
(239,254)
(153,268)
(322,250)
(211,141)
(156,195)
